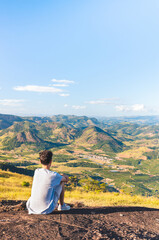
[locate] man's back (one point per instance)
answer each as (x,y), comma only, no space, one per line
(43,191)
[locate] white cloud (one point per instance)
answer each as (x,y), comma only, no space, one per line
(134,108)
(96,102)
(77,107)
(11,102)
(60,85)
(62,81)
(103,101)
(121,108)
(138,107)
(64,94)
(34,88)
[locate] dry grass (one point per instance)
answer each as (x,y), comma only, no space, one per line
(11,189)
(111,199)
(136,153)
(11,186)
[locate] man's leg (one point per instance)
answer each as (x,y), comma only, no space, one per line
(62,193)
(63,206)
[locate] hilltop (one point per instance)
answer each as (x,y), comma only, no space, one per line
(79,223)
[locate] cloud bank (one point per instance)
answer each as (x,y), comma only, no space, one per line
(96,102)
(62,81)
(77,107)
(64,94)
(128,108)
(11,102)
(35,88)
(65,105)
(60,85)
(103,101)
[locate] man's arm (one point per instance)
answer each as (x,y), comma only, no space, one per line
(65,178)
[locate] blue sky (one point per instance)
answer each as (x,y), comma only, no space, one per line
(87,57)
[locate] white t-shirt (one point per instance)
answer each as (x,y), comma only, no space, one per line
(43,195)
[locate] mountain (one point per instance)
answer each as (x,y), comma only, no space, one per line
(75,121)
(8,120)
(57,132)
(96,138)
(132,131)
(50,134)
(68,120)
(69,129)
(22,133)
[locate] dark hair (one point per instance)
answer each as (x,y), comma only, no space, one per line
(45,157)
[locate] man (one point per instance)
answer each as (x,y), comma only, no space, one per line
(47,188)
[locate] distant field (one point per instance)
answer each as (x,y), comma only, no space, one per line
(136,153)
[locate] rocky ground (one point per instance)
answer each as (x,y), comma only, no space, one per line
(79,223)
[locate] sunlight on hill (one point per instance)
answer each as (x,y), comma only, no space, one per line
(136,153)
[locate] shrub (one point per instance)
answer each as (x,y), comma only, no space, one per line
(93,185)
(25,184)
(73,182)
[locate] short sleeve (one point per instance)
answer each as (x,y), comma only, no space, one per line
(56,179)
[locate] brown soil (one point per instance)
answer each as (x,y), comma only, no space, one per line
(79,223)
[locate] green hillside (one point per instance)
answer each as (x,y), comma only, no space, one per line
(57,132)
(22,133)
(8,120)
(96,138)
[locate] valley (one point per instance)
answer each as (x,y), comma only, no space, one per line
(103,156)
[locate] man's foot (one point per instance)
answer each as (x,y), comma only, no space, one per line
(63,207)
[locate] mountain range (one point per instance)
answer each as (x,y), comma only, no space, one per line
(46,132)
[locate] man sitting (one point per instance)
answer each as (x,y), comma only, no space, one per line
(47,188)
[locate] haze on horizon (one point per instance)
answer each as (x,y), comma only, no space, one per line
(94,58)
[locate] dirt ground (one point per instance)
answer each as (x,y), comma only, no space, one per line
(79,223)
